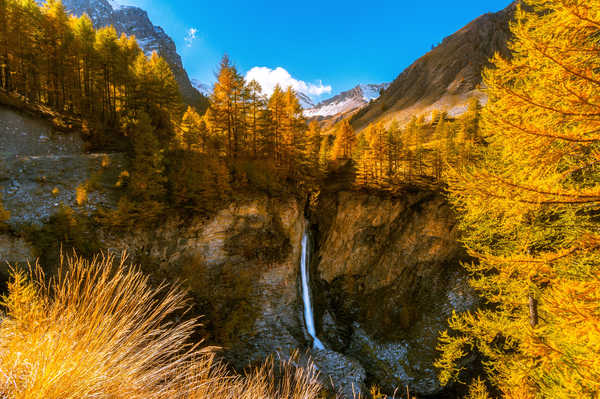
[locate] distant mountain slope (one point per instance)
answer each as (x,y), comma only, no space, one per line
(135,21)
(446,76)
(203,88)
(346,101)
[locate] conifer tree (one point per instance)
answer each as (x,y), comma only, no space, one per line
(344,141)
(192,132)
(256,116)
(276,107)
(313,146)
(528,207)
(147,183)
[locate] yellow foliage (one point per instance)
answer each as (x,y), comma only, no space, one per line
(4,214)
(81,194)
(528,207)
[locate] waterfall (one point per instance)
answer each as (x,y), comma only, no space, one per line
(308,312)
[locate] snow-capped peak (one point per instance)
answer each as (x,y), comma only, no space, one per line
(346,101)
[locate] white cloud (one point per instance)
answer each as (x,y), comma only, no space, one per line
(268,78)
(190,36)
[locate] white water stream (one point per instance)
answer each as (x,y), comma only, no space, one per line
(308,312)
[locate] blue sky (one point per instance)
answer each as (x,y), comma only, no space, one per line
(319,43)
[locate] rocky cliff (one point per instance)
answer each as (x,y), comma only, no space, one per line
(387,275)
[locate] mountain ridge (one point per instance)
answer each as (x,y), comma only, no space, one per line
(447,76)
(346,101)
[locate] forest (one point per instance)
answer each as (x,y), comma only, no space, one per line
(521,171)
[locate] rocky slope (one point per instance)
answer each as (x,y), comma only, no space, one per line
(385,271)
(134,21)
(445,77)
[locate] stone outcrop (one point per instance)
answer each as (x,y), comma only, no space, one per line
(388,277)
(242,267)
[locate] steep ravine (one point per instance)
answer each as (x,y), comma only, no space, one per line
(384,273)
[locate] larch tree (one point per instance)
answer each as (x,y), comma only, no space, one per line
(344,141)
(529,207)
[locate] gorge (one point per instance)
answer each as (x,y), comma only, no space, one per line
(384,270)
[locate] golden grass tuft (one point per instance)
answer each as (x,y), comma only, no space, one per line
(99,330)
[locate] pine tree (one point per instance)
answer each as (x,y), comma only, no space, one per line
(313,146)
(256,116)
(276,107)
(528,208)
(147,183)
(225,104)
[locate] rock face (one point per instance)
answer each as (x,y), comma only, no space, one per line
(388,278)
(134,21)
(448,74)
(242,266)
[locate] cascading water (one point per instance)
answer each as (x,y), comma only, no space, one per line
(308,312)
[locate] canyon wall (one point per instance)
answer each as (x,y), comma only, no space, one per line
(388,276)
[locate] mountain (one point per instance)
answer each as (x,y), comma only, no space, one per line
(447,76)
(203,88)
(305,100)
(134,21)
(346,102)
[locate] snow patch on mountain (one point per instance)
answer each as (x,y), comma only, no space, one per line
(346,101)
(115,4)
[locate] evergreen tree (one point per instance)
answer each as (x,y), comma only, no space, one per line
(528,207)
(147,183)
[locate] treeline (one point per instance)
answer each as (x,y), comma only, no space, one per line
(387,157)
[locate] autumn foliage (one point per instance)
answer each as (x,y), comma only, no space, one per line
(529,206)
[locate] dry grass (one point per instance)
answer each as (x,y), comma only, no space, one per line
(99,330)
(272,380)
